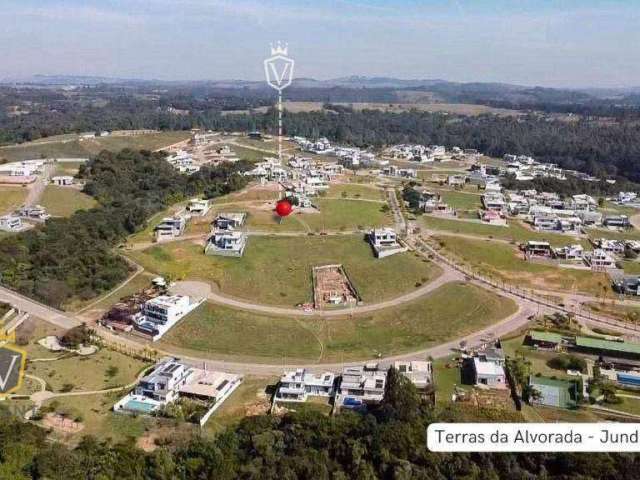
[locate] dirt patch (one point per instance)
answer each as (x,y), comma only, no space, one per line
(62,424)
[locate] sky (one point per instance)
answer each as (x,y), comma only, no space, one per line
(555,43)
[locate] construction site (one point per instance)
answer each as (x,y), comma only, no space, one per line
(332,287)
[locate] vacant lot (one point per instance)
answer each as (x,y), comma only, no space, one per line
(515,232)
(341,215)
(356,191)
(64,201)
(277,270)
(67,168)
(505,262)
(11,198)
(461,200)
(437,317)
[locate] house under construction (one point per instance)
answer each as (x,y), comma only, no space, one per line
(332,287)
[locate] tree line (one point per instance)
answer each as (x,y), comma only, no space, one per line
(389,442)
(73,258)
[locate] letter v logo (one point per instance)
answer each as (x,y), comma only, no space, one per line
(7,375)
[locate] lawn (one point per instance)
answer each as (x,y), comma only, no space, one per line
(340,215)
(461,200)
(147,141)
(11,198)
(277,270)
(516,232)
(64,201)
(446,377)
(435,318)
(505,262)
(104,369)
(631,267)
(351,190)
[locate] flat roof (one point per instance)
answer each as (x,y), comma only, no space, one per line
(543,336)
(487,368)
(608,345)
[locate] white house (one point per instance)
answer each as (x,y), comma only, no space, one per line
(419,373)
(599,260)
(361,385)
(297,385)
(10,223)
(172,380)
(488,373)
(156,389)
(197,207)
(569,252)
(62,180)
(229,221)
(169,228)
(161,313)
(384,242)
(226,243)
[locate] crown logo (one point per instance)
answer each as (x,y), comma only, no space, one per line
(279,48)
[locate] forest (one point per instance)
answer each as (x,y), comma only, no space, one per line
(603,146)
(73,258)
(389,442)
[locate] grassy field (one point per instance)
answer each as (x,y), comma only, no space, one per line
(104,369)
(413,100)
(251,393)
(461,200)
(516,232)
(631,267)
(505,262)
(67,168)
(86,148)
(633,234)
(439,316)
(64,201)
(625,313)
(346,215)
(277,270)
(250,154)
(11,198)
(351,190)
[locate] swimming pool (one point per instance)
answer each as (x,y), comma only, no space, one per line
(139,406)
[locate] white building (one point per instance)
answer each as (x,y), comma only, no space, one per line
(419,373)
(172,380)
(10,223)
(229,220)
(197,207)
(599,260)
(569,252)
(161,313)
(169,228)
(226,243)
(297,385)
(361,385)
(384,242)
(62,180)
(488,373)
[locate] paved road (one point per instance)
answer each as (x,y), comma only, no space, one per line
(36,189)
